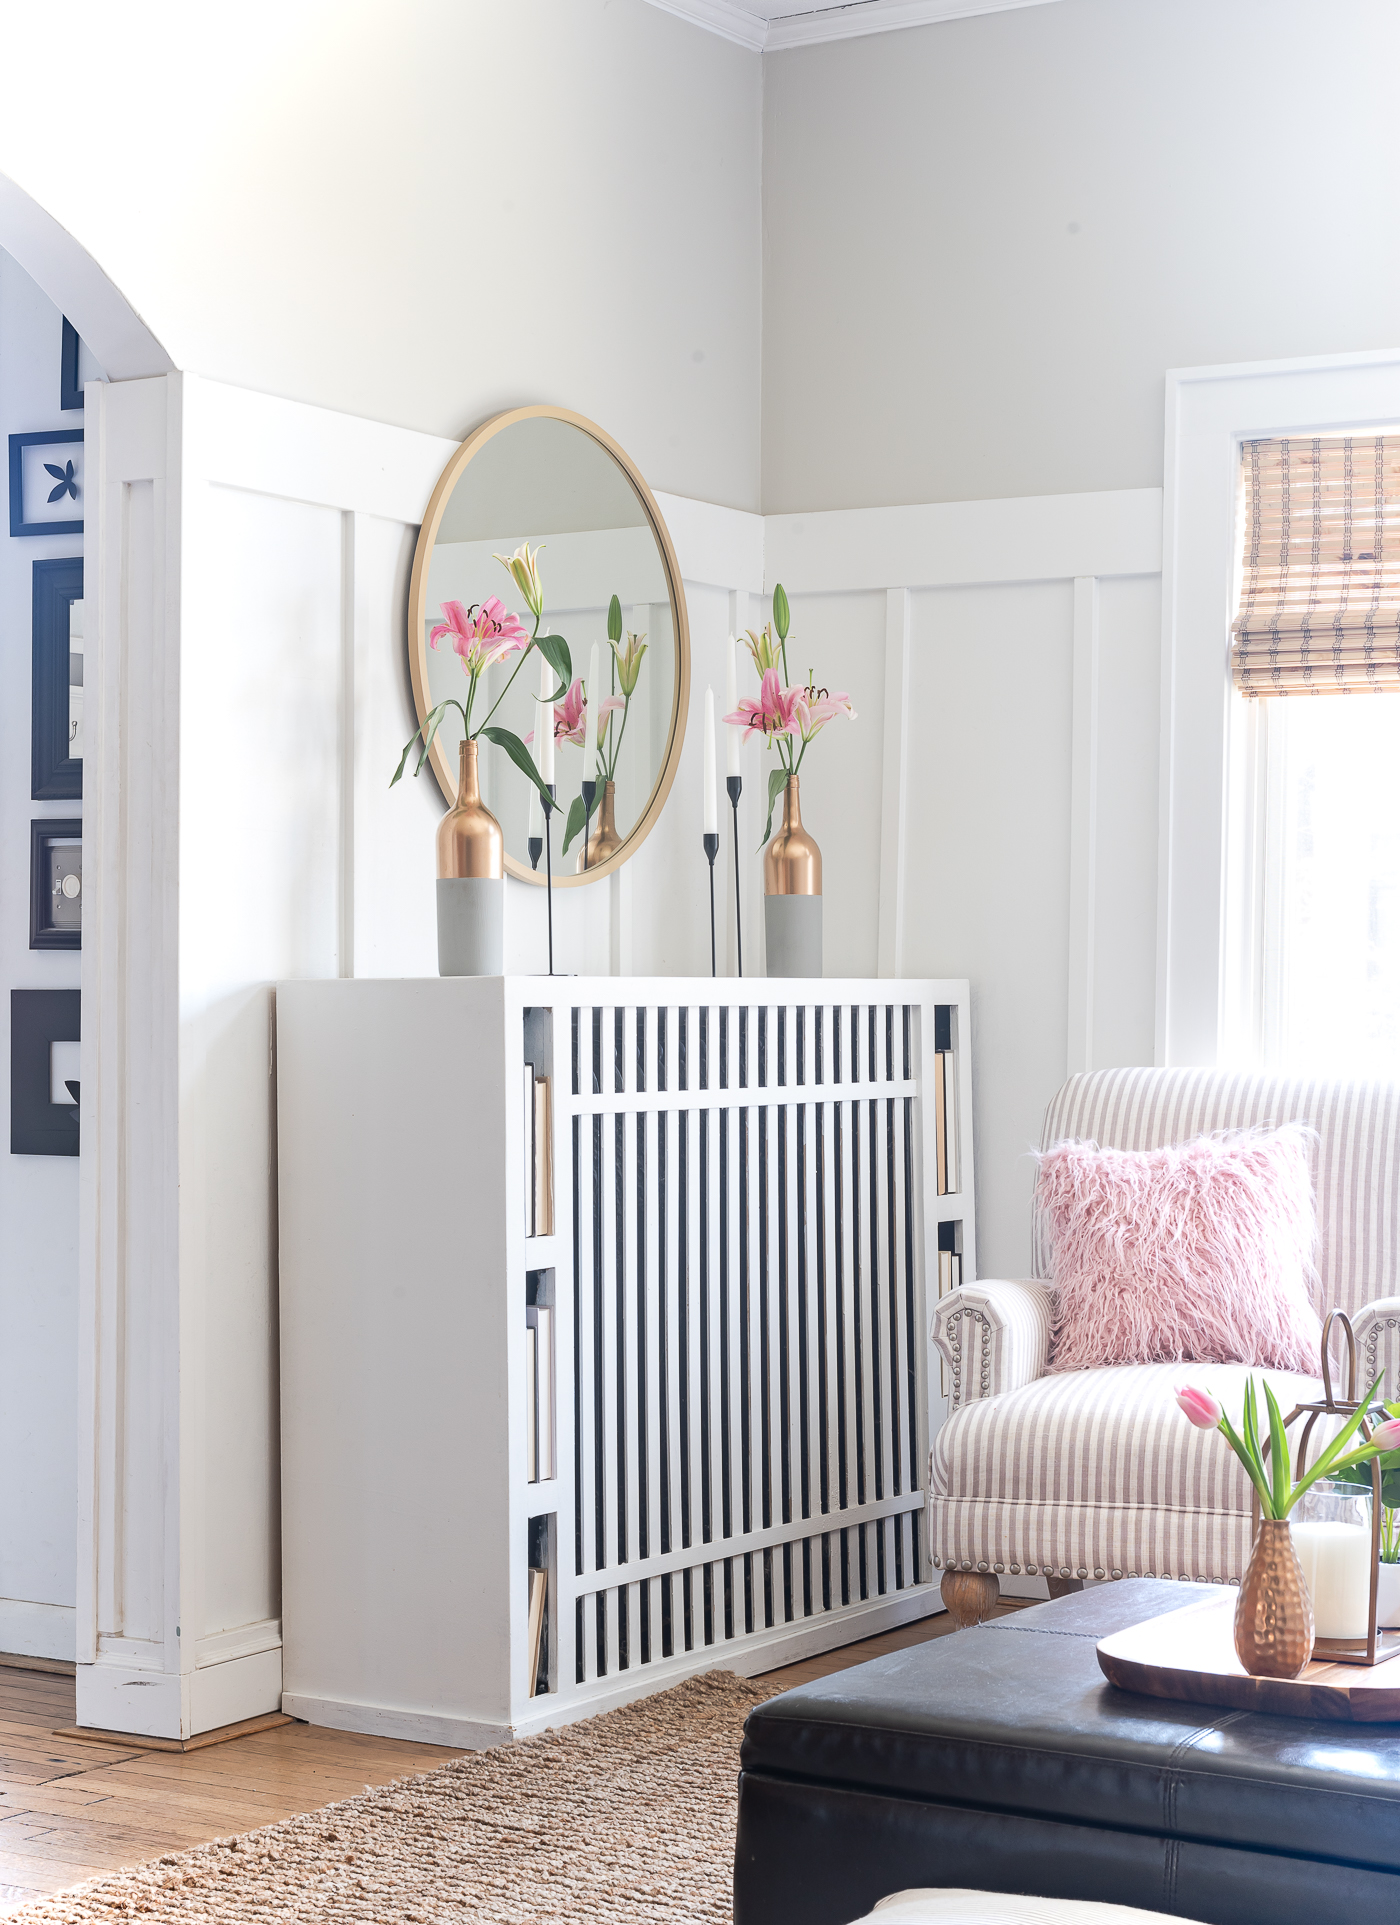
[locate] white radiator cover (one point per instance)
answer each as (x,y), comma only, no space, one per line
(746,1233)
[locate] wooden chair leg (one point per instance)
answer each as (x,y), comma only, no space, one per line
(1064,1586)
(969,1596)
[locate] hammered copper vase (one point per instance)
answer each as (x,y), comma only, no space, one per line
(1274,1615)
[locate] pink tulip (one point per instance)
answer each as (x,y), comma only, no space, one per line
(483,634)
(1200,1407)
(1386,1436)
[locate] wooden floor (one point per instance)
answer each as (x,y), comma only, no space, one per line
(70,1809)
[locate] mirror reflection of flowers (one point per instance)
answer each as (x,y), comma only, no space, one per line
(571,716)
(481,636)
(624,671)
(789,716)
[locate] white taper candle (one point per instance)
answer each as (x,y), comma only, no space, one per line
(732,737)
(544,734)
(536,828)
(594,695)
(711,800)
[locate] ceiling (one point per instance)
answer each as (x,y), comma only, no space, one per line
(767,25)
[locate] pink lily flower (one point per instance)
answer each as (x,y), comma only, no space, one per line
(776,712)
(481,635)
(816,713)
(571,715)
(1200,1407)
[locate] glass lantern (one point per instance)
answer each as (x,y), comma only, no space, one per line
(1337,1529)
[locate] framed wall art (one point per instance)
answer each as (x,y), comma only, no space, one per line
(45,1025)
(70,388)
(57,726)
(56,884)
(46,482)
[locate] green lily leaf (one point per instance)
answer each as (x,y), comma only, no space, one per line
(522,758)
(574,823)
(777,781)
(555,651)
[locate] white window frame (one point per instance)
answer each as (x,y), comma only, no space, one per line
(1215,896)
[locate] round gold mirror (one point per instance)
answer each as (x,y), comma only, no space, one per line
(547,477)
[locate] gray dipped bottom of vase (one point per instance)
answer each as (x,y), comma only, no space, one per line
(792,928)
(471,916)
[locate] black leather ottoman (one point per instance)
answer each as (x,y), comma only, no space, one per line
(999,1758)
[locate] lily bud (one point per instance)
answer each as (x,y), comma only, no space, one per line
(524,568)
(614,620)
(782,614)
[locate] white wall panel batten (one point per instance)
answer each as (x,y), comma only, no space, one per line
(1209,413)
(946,543)
(271,446)
(768,26)
(1083,832)
(893,776)
(720,546)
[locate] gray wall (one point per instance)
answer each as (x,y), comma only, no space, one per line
(986,240)
(423,213)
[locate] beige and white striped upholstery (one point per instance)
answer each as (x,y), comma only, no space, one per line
(1096,1472)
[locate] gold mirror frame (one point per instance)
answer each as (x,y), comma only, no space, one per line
(417,644)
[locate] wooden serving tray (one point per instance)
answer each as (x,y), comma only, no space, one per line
(1190,1654)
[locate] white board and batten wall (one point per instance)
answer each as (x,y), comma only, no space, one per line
(254,558)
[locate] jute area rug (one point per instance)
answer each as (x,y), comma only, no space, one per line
(627,1817)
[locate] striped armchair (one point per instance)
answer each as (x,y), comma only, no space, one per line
(1093,1473)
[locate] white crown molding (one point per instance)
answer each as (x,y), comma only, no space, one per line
(721,17)
(806,28)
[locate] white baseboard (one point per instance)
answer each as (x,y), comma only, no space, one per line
(38,1630)
(782,1645)
(171,1704)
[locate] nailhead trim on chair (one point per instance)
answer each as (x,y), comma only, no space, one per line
(954,1329)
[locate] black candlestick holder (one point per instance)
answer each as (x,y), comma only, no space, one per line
(549,870)
(589,791)
(734,785)
(711,851)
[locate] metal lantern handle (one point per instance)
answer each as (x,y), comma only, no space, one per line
(1338,1316)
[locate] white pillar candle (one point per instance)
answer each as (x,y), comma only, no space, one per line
(1336,1561)
(590,721)
(732,736)
(536,829)
(544,735)
(711,799)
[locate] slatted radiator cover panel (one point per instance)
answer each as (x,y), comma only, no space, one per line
(749,1376)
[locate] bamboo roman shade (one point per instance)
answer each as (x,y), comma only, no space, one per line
(1319,606)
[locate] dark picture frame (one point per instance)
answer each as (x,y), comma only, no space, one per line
(43,932)
(38,1019)
(51,438)
(70,393)
(57,776)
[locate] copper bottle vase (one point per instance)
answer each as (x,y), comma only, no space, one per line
(792,894)
(603,840)
(1274,1614)
(471,880)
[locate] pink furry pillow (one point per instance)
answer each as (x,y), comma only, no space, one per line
(1201,1252)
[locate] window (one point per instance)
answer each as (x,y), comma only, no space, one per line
(1317,638)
